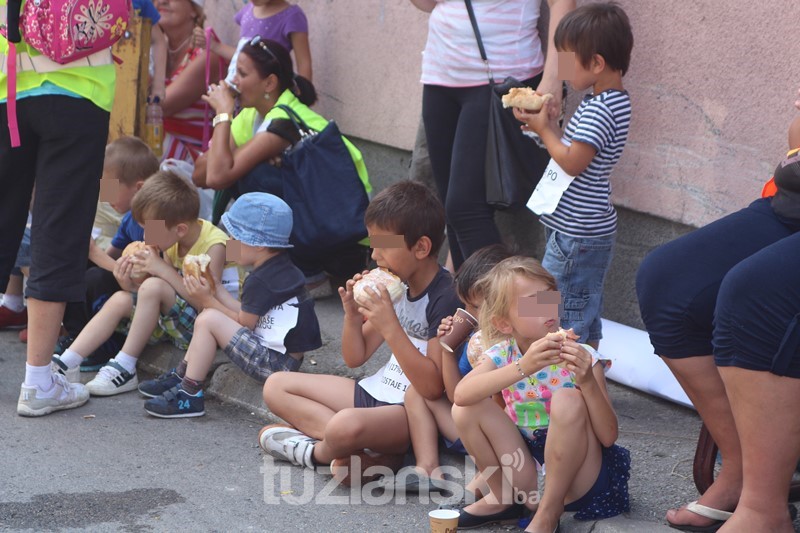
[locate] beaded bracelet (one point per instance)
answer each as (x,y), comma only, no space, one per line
(521,373)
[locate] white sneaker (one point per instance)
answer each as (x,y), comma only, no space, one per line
(112,379)
(64,395)
(287,444)
(73,374)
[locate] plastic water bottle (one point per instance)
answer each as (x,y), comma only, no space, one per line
(154,126)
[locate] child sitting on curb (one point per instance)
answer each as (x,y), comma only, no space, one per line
(128,163)
(354,425)
(557,404)
(267,332)
(427,419)
(159,307)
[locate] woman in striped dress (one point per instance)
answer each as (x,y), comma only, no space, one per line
(184,111)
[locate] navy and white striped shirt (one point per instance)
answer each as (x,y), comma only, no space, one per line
(585,209)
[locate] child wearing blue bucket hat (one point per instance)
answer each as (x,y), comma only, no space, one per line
(267,332)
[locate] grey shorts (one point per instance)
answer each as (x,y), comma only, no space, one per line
(246,351)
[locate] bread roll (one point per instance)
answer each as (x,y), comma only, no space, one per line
(566,334)
(377,277)
(197,267)
(137,246)
(525,98)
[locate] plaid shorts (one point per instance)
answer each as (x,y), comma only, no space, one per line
(247,352)
(177,325)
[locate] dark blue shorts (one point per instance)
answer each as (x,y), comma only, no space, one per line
(757,324)
(678,286)
(363,399)
(609,495)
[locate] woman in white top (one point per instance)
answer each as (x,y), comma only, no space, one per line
(455,101)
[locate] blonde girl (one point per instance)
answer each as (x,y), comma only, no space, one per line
(557,410)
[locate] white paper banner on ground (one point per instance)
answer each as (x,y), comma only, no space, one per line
(635,364)
(550,189)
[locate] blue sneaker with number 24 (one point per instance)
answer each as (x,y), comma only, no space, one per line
(176,403)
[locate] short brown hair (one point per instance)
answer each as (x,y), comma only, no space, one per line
(131,159)
(168,197)
(410,209)
(599,28)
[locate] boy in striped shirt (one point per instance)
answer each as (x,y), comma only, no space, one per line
(594,45)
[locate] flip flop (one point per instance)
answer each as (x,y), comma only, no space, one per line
(718,516)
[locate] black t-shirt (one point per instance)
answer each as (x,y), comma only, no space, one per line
(270,292)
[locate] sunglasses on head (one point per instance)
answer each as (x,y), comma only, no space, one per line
(257,41)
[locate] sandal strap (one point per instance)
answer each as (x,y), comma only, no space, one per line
(708,512)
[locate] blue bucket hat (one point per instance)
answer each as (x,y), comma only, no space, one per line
(260,219)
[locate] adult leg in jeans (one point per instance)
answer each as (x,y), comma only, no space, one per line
(456,120)
(677,286)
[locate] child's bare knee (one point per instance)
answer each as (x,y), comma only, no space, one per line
(412,398)
(274,387)
(206,318)
(463,415)
(345,429)
(119,301)
(568,407)
(153,287)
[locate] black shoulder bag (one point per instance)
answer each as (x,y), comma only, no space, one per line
(514,162)
(322,186)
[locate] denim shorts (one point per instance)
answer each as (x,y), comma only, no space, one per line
(579,265)
(246,351)
(24,253)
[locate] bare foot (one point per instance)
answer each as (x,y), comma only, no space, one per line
(751,520)
(716,497)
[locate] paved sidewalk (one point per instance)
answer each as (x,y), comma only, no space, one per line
(661,436)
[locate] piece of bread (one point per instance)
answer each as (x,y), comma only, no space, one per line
(197,267)
(568,334)
(137,246)
(525,98)
(375,277)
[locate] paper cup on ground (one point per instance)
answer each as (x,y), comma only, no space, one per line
(463,324)
(444,520)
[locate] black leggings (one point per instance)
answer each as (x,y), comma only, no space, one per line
(100,285)
(456,121)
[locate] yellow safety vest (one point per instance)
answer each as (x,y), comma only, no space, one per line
(92,78)
(242,128)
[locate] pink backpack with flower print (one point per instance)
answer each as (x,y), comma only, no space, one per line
(68,30)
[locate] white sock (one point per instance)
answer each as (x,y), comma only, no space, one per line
(14,302)
(71,358)
(128,362)
(40,377)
